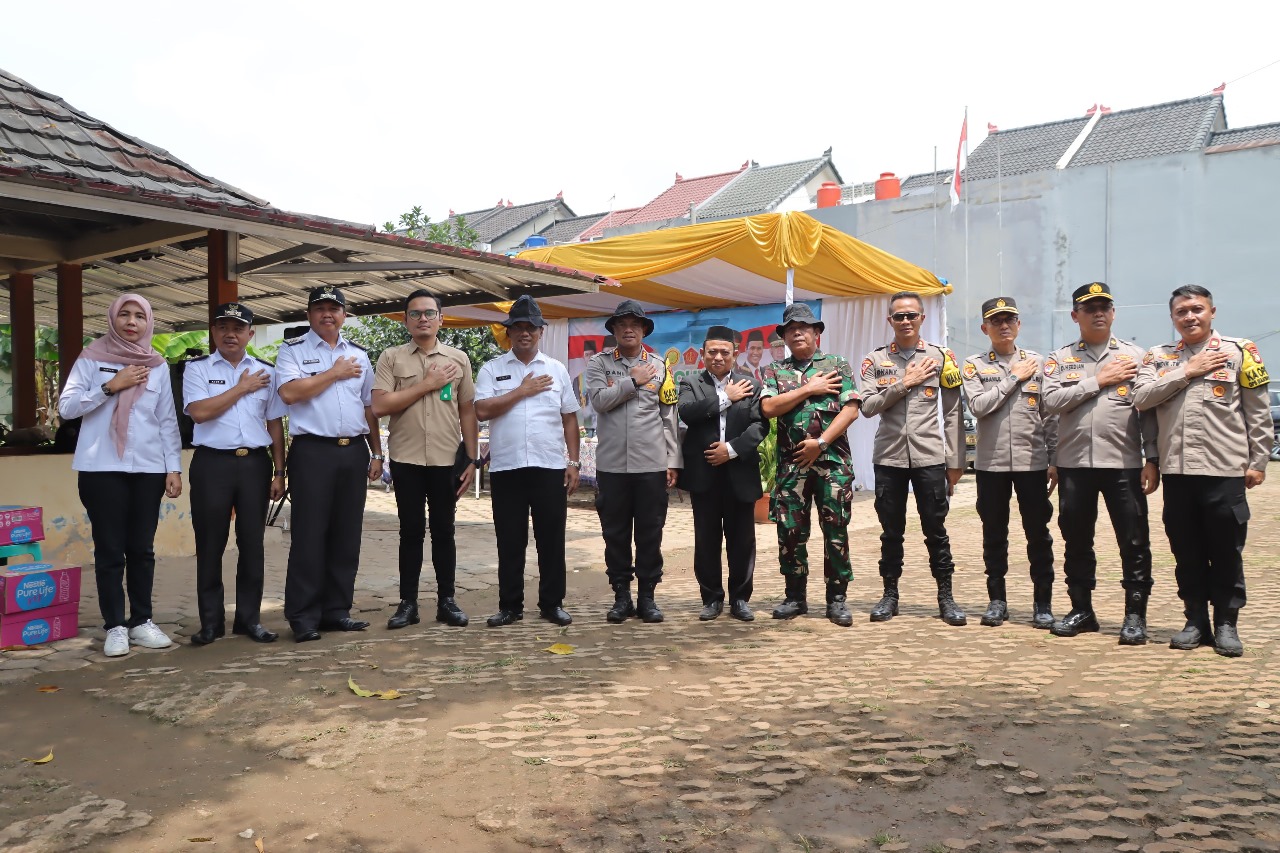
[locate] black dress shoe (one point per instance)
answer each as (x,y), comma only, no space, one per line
(406,614)
(306,636)
(346,623)
(557,615)
(255,632)
(448,612)
(740,610)
(505,617)
(206,635)
(710,611)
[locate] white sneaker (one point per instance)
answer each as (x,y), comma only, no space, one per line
(117,642)
(149,636)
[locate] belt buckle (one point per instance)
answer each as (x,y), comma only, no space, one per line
(343,442)
(242,451)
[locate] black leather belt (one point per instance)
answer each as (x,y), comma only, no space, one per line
(327,439)
(234,451)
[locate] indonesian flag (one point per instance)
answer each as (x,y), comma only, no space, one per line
(960,161)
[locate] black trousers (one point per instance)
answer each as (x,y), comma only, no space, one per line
(517,495)
(223,483)
(1121,488)
(327,484)
(718,516)
(419,487)
(124,511)
(930,485)
(627,503)
(1206,520)
(995,490)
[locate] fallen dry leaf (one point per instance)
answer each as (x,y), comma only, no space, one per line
(258,844)
(200,838)
(559,649)
(44,760)
(357,689)
(48,688)
(388,694)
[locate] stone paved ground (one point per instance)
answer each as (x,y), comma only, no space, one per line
(721,736)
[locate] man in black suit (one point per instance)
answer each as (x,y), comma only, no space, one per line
(722,472)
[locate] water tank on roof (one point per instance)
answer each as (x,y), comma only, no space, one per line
(888,186)
(536,241)
(829,194)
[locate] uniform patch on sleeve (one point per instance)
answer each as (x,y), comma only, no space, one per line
(950,371)
(969,370)
(868,368)
(1149,358)
(1051,367)
(668,396)
(1252,372)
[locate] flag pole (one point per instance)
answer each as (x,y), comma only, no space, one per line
(965,188)
(999,215)
(935,210)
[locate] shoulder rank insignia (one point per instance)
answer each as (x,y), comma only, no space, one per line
(1252,372)
(293,342)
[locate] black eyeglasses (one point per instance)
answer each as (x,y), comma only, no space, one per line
(904,316)
(430,314)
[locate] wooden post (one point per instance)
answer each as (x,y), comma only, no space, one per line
(22,316)
(70,318)
(222,286)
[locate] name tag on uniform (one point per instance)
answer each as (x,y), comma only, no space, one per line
(311,361)
(109,369)
(503,378)
(217,382)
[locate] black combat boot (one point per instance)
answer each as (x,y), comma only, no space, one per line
(947,607)
(622,605)
(646,607)
(1042,608)
(837,610)
(887,607)
(1081,619)
(1134,630)
(998,609)
(1197,632)
(1226,641)
(795,603)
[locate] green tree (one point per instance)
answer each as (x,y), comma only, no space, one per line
(477,342)
(48,379)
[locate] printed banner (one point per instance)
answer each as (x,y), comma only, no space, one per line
(677,337)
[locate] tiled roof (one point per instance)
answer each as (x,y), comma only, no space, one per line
(42,134)
(1259,134)
(848,192)
(761,188)
(568,230)
(1023,149)
(494,223)
(1151,131)
(675,200)
(927,179)
(618,217)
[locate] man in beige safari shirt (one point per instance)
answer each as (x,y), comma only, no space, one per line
(427,389)
(1209,395)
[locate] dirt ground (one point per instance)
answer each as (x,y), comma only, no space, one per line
(684,736)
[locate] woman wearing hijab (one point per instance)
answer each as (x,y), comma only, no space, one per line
(128,456)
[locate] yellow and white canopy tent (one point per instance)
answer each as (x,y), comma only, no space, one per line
(755,260)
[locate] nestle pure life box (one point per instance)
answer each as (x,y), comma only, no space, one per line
(34,586)
(21,524)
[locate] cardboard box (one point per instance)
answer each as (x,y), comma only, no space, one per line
(36,586)
(21,524)
(33,627)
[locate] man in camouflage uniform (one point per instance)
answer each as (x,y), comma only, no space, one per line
(1209,396)
(1015,454)
(907,382)
(813,397)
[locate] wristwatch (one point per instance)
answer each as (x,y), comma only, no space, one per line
(822,444)
(573,464)
(378,456)
(107,391)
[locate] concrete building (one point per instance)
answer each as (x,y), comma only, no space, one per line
(1145,199)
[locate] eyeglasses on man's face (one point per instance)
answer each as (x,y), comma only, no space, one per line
(905,316)
(429,313)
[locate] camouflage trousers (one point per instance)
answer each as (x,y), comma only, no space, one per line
(831,486)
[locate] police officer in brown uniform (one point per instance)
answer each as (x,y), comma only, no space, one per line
(1102,441)
(1015,453)
(905,382)
(1209,396)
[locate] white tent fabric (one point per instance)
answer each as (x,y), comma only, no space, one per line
(555,340)
(854,327)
